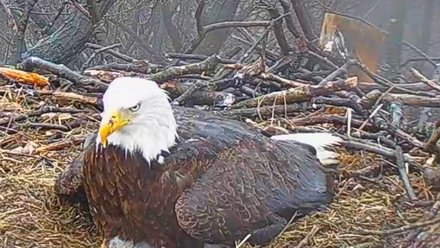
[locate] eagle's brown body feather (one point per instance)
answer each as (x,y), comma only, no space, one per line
(220,182)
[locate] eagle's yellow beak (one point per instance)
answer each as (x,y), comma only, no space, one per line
(116,122)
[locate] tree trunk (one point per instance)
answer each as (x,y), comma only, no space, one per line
(395,30)
(303,19)
(68,40)
(425,37)
(18,41)
(42,21)
(220,11)
(168,10)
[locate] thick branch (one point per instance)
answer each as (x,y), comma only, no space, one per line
(11,21)
(362,145)
(303,19)
(93,11)
(198,17)
(200,96)
(185,56)
(278,28)
(298,94)
(415,87)
(400,161)
(385,82)
(173,72)
(32,63)
(265,111)
(19,41)
(138,67)
(413,100)
(235,24)
(431,144)
(172,30)
(327,118)
(425,80)
(282,81)
(289,20)
(47,109)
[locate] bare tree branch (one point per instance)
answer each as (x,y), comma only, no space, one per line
(93,11)
(32,63)
(112,52)
(58,14)
(11,20)
(303,19)
(172,30)
(19,42)
(277,27)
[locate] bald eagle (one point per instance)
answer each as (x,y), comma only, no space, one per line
(158,175)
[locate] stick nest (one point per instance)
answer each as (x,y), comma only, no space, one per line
(34,151)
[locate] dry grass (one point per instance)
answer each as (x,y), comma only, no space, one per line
(31,215)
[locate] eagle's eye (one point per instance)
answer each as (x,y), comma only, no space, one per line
(135,107)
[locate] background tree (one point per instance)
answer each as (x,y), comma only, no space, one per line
(69,31)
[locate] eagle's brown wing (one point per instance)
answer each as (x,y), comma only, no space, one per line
(194,124)
(69,182)
(254,189)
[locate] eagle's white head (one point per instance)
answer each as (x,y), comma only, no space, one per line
(137,116)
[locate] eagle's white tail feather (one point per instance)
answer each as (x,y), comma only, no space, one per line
(320,141)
